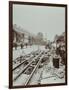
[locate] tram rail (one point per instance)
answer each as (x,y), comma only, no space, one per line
(14,78)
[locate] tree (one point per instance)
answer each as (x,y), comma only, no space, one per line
(39,37)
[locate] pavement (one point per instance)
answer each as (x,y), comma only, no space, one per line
(20,52)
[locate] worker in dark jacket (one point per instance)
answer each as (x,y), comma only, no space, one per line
(58,50)
(63,55)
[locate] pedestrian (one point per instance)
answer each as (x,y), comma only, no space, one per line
(15,46)
(21,46)
(26,45)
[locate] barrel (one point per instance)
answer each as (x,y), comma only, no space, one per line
(56,62)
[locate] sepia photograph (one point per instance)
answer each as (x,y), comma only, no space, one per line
(37,44)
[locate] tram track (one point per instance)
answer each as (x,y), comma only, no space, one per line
(26,74)
(28,80)
(22,70)
(23,59)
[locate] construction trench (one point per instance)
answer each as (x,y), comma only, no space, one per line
(38,67)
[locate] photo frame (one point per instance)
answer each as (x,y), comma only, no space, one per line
(35,59)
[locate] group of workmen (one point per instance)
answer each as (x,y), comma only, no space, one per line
(62,52)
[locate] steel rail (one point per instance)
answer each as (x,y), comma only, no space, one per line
(28,80)
(26,67)
(20,64)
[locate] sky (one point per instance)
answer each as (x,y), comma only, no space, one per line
(46,19)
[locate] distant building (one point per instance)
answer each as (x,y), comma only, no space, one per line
(20,35)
